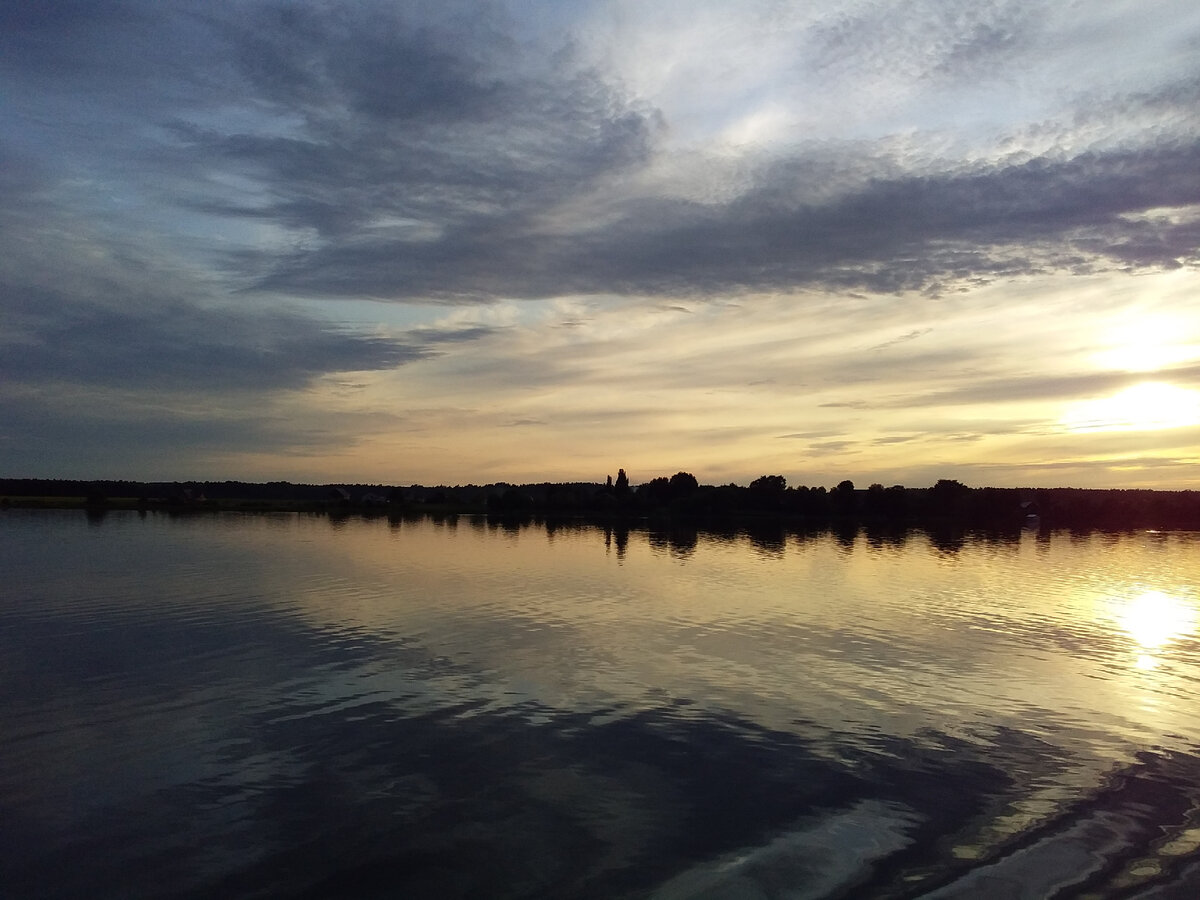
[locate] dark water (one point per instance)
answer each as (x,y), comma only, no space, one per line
(288,706)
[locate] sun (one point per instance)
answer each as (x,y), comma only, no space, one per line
(1149,406)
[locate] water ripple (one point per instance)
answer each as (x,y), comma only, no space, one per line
(240,706)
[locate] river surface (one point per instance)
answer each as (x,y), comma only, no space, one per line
(225,706)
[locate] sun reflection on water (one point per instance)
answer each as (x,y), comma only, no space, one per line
(1154,619)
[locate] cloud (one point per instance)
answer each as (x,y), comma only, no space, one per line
(82,309)
(183,347)
(905,232)
(807,435)
(846,404)
(1023,388)
(47,434)
(400,153)
(764,217)
(902,339)
(824,447)
(924,40)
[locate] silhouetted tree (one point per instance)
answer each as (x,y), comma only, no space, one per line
(682,484)
(512,501)
(769,483)
(842,499)
(655,492)
(948,497)
(896,501)
(766,493)
(874,503)
(621,488)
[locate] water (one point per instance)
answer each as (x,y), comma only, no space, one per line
(292,706)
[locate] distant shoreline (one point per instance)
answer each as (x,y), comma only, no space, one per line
(679,498)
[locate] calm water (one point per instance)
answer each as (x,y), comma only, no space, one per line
(289,706)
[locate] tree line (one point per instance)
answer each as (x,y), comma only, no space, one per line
(678,496)
(682,496)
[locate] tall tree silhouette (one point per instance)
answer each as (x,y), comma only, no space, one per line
(621,488)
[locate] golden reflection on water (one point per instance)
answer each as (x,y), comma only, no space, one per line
(1046,635)
(1012,661)
(1154,619)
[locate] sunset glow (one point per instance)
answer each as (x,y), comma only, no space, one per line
(1150,344)
(463,242)
(1144,407)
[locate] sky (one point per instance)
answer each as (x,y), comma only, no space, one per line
(450,243)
